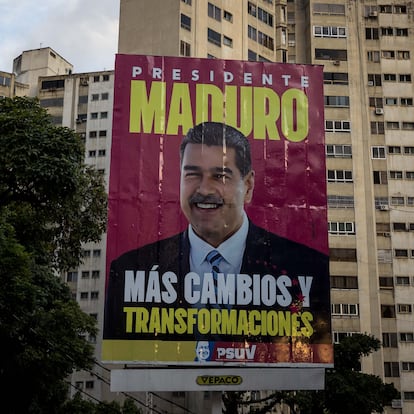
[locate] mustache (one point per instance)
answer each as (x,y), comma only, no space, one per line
(205,199)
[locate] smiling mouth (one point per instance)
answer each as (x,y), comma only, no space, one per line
(208,206)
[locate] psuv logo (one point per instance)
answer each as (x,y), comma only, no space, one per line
(239,354)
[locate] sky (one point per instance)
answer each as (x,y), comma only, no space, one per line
(84,32)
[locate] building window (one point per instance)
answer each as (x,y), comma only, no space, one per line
(85,274)
(105,78)
(388,54)
(404,78)
(329,31)
(391,369)
(380,177)
(95,96)
(386,282)
(377,127)
(406,337)
(337,227)
(104,115)
(337,126)
(387,31)
(387,311)
(401,253)
(101,153)
(102,133)
(396,175)
(95,295)
(389,340)
(72,277)
(374,79)
(265,40)
(92,153)
(95,274)
(265,17)
(373,56)
(340,176)
(344,282)
(185,48)
(338,151)
(84,295)
(96,78)
(407,366)
(251,56)
(331,54)
(227,41)
(187,2)
(251,32)
(402,280)
(409,175)
(378,152)
(93,134)
(339,201)
(214,12)
(392,149)
(105,96)
(391,101)
(337,101)
(371,33)
(344,309)
(89,385)
(399,226)
(397,201)
(335,78)
(401,31)
(97,253)
(406,101)
(94,115)
(227,16)
(342,255)
(403,55)
(328,8)
(214,37)
(407,126)
(185,22)
(404,308)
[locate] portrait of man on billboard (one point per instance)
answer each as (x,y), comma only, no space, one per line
(217,181)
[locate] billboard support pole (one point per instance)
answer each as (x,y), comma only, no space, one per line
(216,400)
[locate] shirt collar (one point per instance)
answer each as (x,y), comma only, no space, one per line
(230,249)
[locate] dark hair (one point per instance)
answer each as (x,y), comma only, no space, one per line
(222,135)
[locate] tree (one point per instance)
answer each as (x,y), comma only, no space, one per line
(346,389)
(50,203)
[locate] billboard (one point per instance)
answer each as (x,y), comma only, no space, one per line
(217,248)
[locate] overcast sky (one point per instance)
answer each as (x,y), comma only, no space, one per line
(84,32)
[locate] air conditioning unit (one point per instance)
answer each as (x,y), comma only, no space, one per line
(396,404)
(383,207)
(373,14)
(387,234)
(379,111)
(370,83)
(337,62)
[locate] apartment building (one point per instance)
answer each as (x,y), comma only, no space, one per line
(366,49)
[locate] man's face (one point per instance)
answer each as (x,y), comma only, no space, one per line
(213,192)
(203,350)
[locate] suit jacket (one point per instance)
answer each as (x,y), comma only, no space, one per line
(265,253)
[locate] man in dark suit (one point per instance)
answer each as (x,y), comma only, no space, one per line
(217,180)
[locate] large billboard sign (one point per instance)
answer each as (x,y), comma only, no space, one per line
(217,250)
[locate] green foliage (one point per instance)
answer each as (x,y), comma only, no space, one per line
(346,389)
(55,202)
(50,203)
(77,405)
